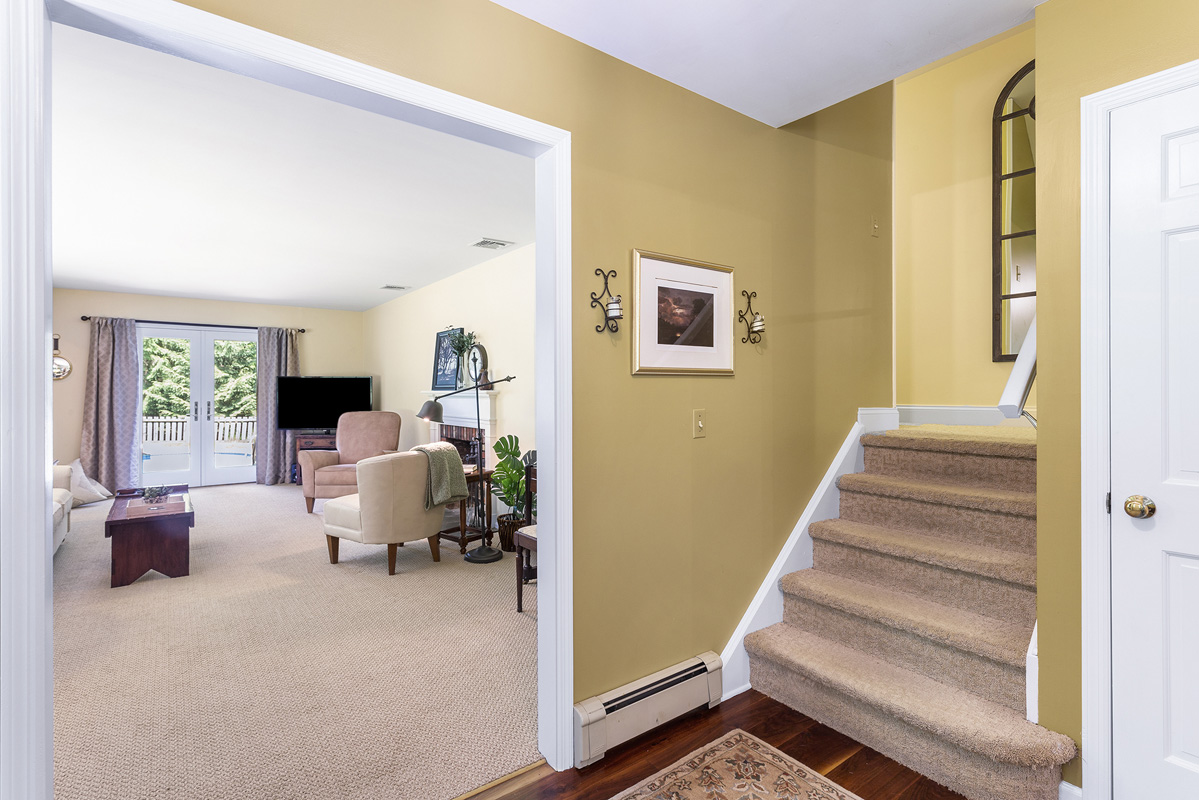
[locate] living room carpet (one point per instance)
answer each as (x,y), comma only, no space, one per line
(736,766)
(270,673)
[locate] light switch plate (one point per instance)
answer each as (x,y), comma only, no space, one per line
(699,423)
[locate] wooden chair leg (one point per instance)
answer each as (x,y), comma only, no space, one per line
(310,501)
(520,580)
(435,546)
(391,559)
(333,542)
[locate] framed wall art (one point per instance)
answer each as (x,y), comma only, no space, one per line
(445,361)
(682,316)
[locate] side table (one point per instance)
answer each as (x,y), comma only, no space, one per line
(463,533)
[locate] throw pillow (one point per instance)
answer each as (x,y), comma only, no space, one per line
(84,489)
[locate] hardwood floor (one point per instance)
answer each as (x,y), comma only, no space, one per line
(865,772)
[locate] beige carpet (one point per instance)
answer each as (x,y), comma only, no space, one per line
(909,632)
(737,766)
(269,673)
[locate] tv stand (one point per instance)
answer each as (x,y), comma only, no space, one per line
(307,440)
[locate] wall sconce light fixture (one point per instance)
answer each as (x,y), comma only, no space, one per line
(755,323)
(612,310)
(60,367)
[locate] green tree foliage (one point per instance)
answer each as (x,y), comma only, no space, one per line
(236,378)
(166,378)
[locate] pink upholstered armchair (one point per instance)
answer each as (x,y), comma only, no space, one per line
(360,434)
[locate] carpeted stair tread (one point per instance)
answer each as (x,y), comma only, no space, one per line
(919,439)
(1000,501)
(990,638)
(957,716)
(1004,565)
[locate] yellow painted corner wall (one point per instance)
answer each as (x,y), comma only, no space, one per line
(943,224)
(1083,47)
(672,536)
(493,299)
(332,344)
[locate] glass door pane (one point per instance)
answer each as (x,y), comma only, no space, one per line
(231,413)
(168,410)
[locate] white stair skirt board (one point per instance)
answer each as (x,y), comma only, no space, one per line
(767,606)
(958,415)
(1031,678)
(1068,791)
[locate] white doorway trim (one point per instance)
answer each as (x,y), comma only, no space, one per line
(1096,418)
(26,676)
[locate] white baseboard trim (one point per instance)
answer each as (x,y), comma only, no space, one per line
(957,415)
(766,608)
(1068,791)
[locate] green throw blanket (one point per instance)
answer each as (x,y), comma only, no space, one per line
(446,482)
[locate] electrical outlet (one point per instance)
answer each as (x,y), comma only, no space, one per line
(699,423)
(874,226)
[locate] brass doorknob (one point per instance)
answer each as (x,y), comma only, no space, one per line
(1139,506)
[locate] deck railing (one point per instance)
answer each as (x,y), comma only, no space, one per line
(177,429)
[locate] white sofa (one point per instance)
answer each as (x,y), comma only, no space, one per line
(63,500)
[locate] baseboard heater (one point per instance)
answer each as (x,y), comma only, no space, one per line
(609,719)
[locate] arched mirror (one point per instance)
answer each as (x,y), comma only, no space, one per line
(1014,210)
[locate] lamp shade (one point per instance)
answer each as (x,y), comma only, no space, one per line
(430,411)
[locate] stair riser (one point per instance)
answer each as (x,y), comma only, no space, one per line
(999,683)
(971,774)
(981,595)
(1001,531)
(961,469)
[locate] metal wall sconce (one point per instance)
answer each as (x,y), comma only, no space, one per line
(612,310)
(755,323)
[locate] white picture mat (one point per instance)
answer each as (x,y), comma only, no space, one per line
(655,272)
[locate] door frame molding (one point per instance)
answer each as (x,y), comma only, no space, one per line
(1095,352)
(26,663)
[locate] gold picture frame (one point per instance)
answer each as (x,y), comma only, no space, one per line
(688,327)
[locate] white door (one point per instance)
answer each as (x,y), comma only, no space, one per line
(1155,446)
(199,402)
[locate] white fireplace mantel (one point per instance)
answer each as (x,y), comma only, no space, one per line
(460,410)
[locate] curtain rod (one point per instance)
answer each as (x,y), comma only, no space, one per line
(85,318)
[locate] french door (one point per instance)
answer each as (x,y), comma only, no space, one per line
(199,404)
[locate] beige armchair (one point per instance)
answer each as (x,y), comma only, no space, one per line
(389,507)
(360,434)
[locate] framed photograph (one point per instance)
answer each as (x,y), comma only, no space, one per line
(445,361)
(682,316)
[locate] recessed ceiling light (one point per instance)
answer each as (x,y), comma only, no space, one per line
(395,288)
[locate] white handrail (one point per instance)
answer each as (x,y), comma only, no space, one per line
(1019,383)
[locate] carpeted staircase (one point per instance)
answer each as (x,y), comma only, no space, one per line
(909,632)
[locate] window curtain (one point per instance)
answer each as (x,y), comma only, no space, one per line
(111,442)
(278,355)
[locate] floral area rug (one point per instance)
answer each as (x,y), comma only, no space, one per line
(737,767)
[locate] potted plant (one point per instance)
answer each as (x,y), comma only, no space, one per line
(508,485)
(461,343)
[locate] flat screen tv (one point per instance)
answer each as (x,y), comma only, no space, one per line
(317,402)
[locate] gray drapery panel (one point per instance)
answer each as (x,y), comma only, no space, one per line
(278,355)
(111,442)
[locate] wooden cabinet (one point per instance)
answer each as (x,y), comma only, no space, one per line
(311,441)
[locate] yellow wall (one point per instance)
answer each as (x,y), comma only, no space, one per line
(495,300)
(943,224)
(331,346)
(672,535)
(1083,46)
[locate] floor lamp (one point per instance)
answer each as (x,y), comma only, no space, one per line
(432,411)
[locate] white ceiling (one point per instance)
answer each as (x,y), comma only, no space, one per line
(174,178)
(777,60)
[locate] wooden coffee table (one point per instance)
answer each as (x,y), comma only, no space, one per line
(149,536)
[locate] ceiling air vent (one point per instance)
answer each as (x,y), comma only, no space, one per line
(394,288)
(491,244)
